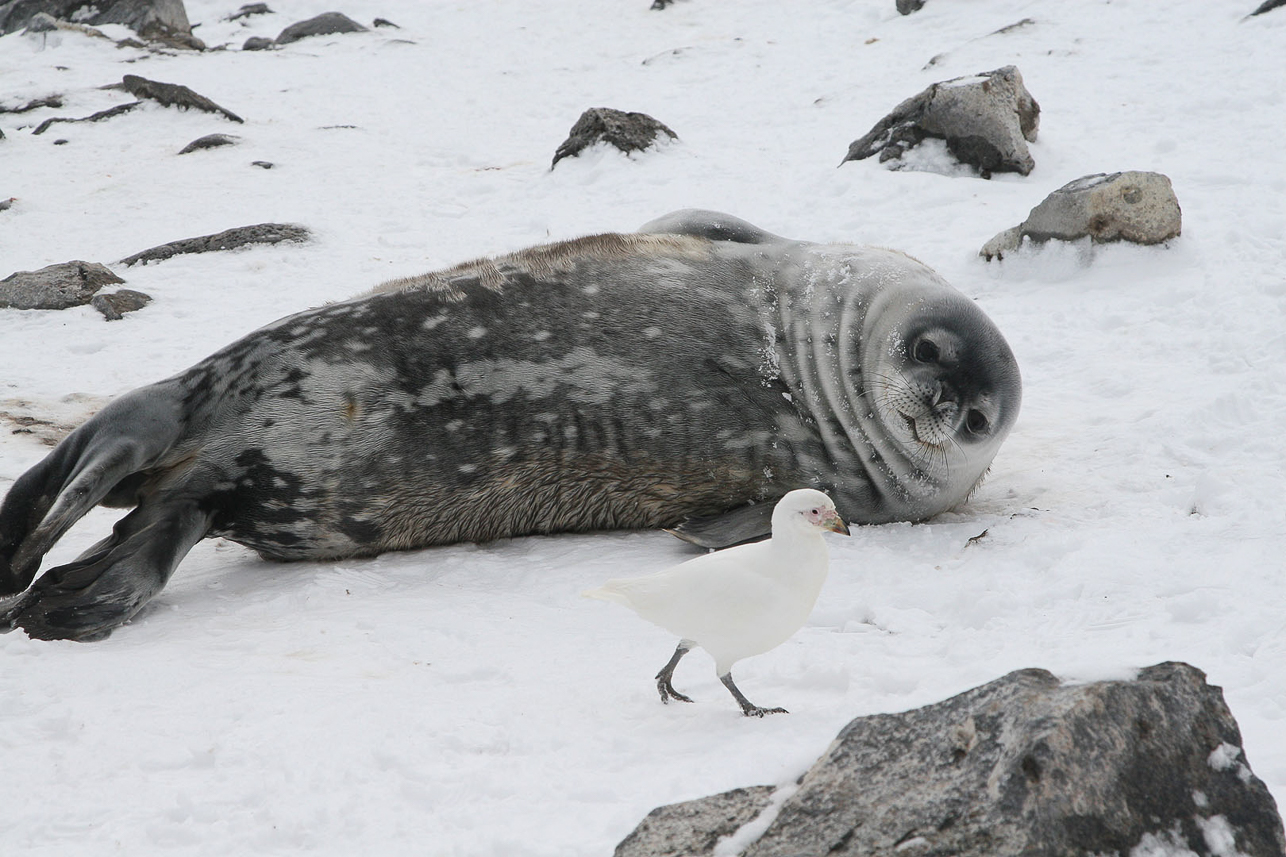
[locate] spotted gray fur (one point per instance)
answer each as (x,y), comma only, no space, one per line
(685,376)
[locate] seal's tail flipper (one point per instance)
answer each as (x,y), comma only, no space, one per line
(745,524)
(110,582)
(127,436)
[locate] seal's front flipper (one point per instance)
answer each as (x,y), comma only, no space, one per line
(86,599)
(714,225)
(745,524)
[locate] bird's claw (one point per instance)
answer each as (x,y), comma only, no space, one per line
(668,692)
(756,711)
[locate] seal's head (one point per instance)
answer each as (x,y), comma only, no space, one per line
(942,382)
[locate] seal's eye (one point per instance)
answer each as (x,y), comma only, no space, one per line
(976,422)
(925,351)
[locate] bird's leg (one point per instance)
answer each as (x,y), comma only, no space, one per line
(667,672)
(748,708)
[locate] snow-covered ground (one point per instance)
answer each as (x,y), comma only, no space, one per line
(466,700)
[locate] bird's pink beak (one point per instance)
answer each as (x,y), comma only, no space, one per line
(834,523)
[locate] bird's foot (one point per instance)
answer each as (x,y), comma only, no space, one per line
(756,711)
(668,692)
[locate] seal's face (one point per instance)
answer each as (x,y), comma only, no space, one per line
(945,387)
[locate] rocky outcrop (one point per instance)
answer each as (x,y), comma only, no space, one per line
(229,239)
(986,120)
(1133,206)
(629,132)
(60,286)
(1024,765)
(174,95)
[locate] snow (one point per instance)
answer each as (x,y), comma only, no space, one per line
(466,700)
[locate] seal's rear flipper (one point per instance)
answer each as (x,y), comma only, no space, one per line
(127,436)
(745,524)
(109,583)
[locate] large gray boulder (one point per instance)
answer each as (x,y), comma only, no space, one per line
(138,15)
(60,286)
(1020,767)
(325,24)
(986,119)
(1132,206)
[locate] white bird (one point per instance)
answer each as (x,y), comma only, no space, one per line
(741,601)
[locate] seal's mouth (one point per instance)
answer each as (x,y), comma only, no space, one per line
(913,427)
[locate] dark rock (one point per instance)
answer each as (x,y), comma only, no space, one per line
(695,826)
(1028,766)
(906,7)
(114,306)
(986,120)
(258,43)
(173,95)
(35,104)
(384,22)
(209,141)
(67,284)
(249,9)
(1134,206)
(96,117)
(658,5)
(230,239)
(62,142)
(6,204)
(263,165)
(1267,6)
(324,24)
(629,132)
(158,32)
(135,14)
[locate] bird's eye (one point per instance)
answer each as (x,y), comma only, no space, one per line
(976,422)
(813,512)
(925,351)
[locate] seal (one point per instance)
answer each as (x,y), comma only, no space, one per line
(685,376)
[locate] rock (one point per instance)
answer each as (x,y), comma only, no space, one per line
(1133,206)
(694,827)
(230,239)
(258,43)
(906,7)
(35,104)
(629,132)
(173,95)
(95,117)
(323,25)
(114,306)
(209,141)
(986,120)
(384,22)
(249,9)
(263,165)
(1267,6)
(1024,766)
(135,14)
(6,204)
(59,286)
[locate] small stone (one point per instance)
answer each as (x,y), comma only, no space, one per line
(258,43)
(384,22)
(263,165)
(60,286)
(113,306)
(906,7)
(248,10)
(325,24)
(96,117)
(35,104)
(209,141)
(629,132)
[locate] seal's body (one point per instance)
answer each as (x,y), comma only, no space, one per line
(685,376)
